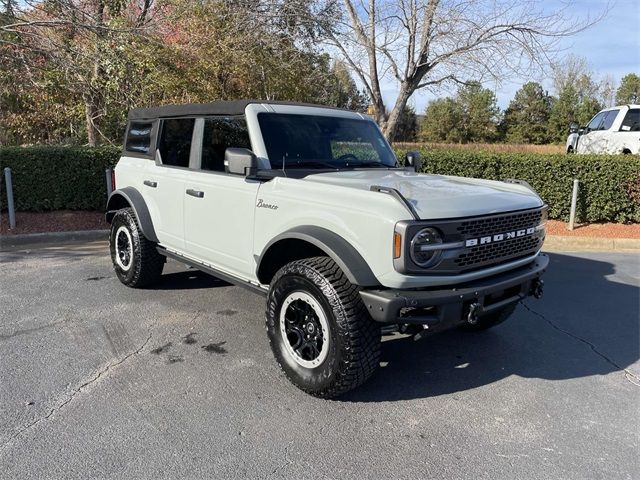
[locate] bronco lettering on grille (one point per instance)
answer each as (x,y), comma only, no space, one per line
(472,242)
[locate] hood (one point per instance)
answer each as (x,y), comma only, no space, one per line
(439,196)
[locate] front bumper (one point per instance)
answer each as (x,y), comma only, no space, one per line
(444,308)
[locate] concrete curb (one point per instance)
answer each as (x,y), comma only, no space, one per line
(52,238)
(589,244)
(552,242)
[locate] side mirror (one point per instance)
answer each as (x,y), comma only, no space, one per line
(574,127)
(240,161)
(412,159)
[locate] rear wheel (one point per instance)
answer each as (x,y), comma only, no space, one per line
(319,330)
(135,259)
(491,320)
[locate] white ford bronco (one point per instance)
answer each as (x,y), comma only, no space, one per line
(613,130)
(309,207)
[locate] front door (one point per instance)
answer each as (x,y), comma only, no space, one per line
(219,207)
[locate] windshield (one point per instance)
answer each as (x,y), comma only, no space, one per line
(318,142)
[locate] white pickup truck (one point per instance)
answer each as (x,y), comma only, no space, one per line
(613,130)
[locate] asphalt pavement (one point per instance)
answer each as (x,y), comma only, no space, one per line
(177,381)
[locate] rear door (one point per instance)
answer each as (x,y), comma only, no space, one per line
(219,207)
(627,138)
(164,182)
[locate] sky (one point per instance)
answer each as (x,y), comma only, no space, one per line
(611,47)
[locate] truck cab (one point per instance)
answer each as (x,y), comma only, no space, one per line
(613,130)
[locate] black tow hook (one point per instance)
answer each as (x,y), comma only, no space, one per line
(537,289)
(472,314)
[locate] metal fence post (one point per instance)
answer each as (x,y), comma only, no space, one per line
(108,174)
(574,201)
(10,206)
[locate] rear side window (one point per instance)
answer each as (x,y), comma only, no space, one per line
(175,141)
(609,118)
(139,137)
(631,122)
(219,134)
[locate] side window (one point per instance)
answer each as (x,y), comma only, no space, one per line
(219,134)
(609,118)
(175,141)
(631,122)
(594,124)
(138,137)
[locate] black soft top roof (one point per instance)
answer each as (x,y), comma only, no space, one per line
(233,107)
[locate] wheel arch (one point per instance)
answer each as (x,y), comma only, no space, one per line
(309,241)
(130,197)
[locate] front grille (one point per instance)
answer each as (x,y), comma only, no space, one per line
(501,251)
(497,252)
(500,224)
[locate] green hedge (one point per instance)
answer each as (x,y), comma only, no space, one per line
(58,178)
(55,178)
(609,184)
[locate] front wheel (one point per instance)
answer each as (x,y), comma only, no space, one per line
(135,259)
(319,330)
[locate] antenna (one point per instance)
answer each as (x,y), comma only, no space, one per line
(283,164)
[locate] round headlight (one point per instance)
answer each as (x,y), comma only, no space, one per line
(424,247)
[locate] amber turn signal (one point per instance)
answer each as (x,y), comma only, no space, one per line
(397,245)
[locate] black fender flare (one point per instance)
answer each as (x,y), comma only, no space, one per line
(340,250)
(135,200)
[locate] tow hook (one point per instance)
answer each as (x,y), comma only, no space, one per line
(537,289)
(472,315)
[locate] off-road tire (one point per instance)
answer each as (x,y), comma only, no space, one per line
(146,264)
(354,338)
(491,320)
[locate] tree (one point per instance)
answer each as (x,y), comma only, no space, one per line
(479,113)
(629,90)
(471,116)
(441,121)
(526,117)
(340,90)
(73,82)
(427,43)
(570,106)
(72,40)
(579,96)
(407,128)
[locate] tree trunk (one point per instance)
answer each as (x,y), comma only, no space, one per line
(390,126)
(89,115)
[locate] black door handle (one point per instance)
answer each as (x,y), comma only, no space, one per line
(151,184)
(195,193)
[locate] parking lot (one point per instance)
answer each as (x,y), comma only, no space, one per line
(99,380)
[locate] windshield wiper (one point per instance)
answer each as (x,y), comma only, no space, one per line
(310,163)
(369,164)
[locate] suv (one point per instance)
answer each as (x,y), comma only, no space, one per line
(309,206)
(613,130)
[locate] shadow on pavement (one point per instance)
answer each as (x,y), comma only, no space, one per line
(579,299)
(187,280)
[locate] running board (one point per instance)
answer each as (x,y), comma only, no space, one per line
(212,271)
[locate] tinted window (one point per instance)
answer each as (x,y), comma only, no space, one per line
(609,118)
(175,141)
(138,137)
(219,134)
(310,141)
(595,122)
(631,122)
